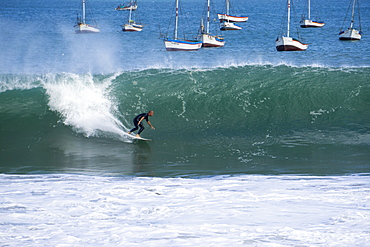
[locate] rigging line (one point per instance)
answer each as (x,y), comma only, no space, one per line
(359,17)
(345,17)
(296,24)
(171,21)
(282,30)
(185,17)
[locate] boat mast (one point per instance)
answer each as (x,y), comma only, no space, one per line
(309,10)
(83,12)
(176,18)
(129,17)
(288,30)
(208,16)
(227,7)
(353,14)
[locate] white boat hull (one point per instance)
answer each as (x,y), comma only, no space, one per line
(86,28)
(350,34)
(132,28)
(230,18)
(133,8)
(212,41)
(229,26)
(289,44)
(182,45)
(310,23)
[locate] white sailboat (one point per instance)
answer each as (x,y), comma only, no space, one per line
(351,33)
(227,20)
(306,23)
(287,43)
(231,18)
(177,44)
(227,25)
(82,26)
(132,26)
(132,6)
(209,40)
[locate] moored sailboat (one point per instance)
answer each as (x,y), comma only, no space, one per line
(132,26)
(227,20)
(287,43)
(209,40)
(226,25)
(231,18)
(132,6)
(177,44)
(351,33)
(82,26)
(306,23)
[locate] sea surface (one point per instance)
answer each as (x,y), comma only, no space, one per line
(251,147)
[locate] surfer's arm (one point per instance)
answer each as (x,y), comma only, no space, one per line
(140,121)
(151,126)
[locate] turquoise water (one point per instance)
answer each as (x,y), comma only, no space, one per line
(248,119)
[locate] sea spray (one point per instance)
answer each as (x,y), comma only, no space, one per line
(84,103)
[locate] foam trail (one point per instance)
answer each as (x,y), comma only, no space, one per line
(85,104)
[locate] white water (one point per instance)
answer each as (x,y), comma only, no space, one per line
(77,210)
(84,104)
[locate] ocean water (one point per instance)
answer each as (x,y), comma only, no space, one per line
(252,147)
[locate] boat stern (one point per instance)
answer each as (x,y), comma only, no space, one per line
(85,28)
(290,44)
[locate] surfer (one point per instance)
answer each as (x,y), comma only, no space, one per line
(138,122)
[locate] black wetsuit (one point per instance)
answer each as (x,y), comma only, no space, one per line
(136,122)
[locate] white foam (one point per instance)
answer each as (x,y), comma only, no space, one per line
(84,104)
(72,210)
(18,82)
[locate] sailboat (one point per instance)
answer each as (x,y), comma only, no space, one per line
(231,18)
(177,44)
(305,23)
(351,33)
(132,26)
(132,5)
(81,26)
(209,40)
(287,43)
(227,20)
(227,25)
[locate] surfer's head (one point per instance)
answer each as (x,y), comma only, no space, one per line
(150,113)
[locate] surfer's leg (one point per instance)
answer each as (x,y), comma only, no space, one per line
(141,128)
(135,128)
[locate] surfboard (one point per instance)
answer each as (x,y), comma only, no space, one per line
(131,136)
(140,138)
